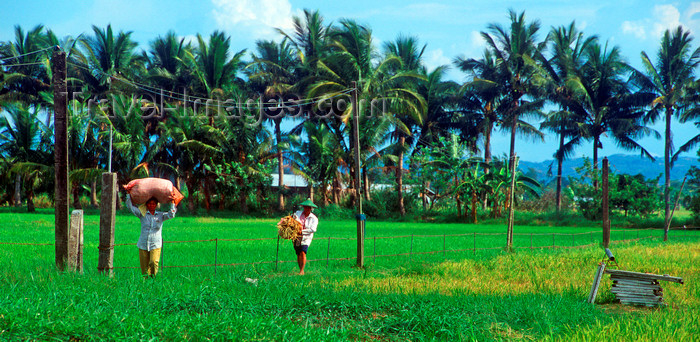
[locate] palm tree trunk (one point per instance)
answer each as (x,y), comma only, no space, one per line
(366,183)
(222,201)
(399,177)
(511,157)
(191,188)
(474,200)
(355,191)
(667,172)
(93,193)
(30,200)
(324,190)
(280,165)
(487,158)
(17,198)
(560,162)
(426,185)
(595,161)
(459,202)
(76,197)
(242,197)
(207,195)
(336,188)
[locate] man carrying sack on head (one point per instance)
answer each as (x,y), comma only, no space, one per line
(309,222)
(151,239)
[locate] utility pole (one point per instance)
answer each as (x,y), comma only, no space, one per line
(606,208)
(60,99)
(359,216)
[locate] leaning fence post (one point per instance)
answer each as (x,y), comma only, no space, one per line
(410,251)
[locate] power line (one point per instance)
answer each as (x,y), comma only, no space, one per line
(20,64)
(188,99)
(301,102)
(27,54)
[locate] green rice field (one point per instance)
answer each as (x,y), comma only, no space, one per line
(226,279)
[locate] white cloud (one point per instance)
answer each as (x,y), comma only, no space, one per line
(259,18)
(663,17)
(478,42)
(636,29)
(436,58)
(691,18)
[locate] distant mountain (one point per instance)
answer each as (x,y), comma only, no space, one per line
(619,163)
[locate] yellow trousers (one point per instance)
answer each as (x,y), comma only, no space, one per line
(149,261)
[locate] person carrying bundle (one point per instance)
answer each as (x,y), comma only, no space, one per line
(309,223)
(151,239)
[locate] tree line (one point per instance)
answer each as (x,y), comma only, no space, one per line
(162,110)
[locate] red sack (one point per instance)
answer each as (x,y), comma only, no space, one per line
(141,190)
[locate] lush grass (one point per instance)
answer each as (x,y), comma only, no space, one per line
(535,294)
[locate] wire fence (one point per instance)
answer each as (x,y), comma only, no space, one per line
(219,253)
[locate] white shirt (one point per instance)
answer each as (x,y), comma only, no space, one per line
(309,227)
(151,225)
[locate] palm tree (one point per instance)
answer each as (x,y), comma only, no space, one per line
(321,155)
(440,98)
(568,57)
(351,60)
(185,144)
(274,68)
(603,102)
(310,39)
(213,66)
(105,56)
(408,51)
(25,63)
(516,50)
(166,68)
(24,138)
(130,140)
(247,145)
(482,101)
(669,80)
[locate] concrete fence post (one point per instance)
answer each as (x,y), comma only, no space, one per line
(75,242)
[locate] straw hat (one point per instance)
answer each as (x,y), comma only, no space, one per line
(308,203)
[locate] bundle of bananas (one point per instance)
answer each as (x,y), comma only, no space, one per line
(289,228)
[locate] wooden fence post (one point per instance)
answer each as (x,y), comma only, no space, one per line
(108,207)
(606,211)
(596,283)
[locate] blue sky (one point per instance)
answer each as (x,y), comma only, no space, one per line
(449,29)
